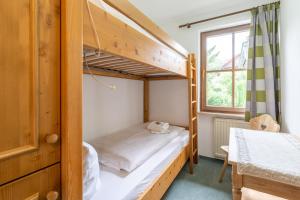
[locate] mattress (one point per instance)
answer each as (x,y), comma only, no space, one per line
(129,148)
(117,186)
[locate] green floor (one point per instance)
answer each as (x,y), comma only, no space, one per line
(203,184)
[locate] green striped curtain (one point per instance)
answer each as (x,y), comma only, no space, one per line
(263,74)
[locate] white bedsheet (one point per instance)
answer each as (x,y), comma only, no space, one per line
(129,148)
(274,156)
(116,187)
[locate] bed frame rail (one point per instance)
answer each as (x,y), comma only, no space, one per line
(163,182)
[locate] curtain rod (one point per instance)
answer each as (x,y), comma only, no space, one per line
(188,25)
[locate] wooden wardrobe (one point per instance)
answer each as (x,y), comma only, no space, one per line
(30,108)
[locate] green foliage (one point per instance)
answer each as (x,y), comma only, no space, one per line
(240,89)
(219,85)
(219,89)
(212,58)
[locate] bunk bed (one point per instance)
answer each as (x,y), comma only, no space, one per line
(124,43)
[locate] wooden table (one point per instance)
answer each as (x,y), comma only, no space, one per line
(259,184)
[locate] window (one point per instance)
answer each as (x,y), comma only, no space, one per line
(224,56)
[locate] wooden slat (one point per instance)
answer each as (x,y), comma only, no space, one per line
(120,39)
(146,73)
(135,66)
(111,74)
(141,70)
(100,60)
(146,100)
(168,77)
(117,65)
(121,64)
(71,99)
(136,70)
(94,58)
(107,62)
(130,11)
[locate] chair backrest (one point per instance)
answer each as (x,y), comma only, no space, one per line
(264,122)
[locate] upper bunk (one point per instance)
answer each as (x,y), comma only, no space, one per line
(121,41)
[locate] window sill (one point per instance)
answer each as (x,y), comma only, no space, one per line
(226,115)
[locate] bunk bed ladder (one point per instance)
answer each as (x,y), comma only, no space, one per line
(193,122)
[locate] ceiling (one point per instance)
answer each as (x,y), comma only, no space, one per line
(164,11)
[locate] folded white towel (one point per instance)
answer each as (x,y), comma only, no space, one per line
(158,127)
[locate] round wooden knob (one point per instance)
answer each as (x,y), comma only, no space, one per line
(52,195)
(52,138)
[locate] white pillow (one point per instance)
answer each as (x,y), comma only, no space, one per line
(91,171)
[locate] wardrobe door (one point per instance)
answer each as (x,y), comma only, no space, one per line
(29,86)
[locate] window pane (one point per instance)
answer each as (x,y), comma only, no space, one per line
(219,52)
(240,87)
(241,49)
(219,89)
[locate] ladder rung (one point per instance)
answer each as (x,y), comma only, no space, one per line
(194,152)
(195,135)
(193,68)
(193,85)
(194,101)
(194,118)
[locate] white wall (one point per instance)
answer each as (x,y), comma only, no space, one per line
(190,38)
(290,65)
(106,111)
(168,101)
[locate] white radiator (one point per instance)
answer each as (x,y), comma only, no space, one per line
(221,133)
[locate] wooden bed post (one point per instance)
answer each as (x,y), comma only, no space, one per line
(71,99)
(146,100)
(193,101)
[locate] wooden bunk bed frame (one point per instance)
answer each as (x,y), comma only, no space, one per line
(115,49)
(126,53)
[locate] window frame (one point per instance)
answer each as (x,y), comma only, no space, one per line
(203,71)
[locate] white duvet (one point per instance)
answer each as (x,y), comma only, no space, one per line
(129,148)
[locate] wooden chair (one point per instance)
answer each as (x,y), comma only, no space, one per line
(264,123)
(224,148)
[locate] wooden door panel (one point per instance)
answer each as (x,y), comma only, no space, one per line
(33,187)
(18,78)
(29,86)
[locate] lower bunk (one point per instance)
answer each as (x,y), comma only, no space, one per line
(152,178)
